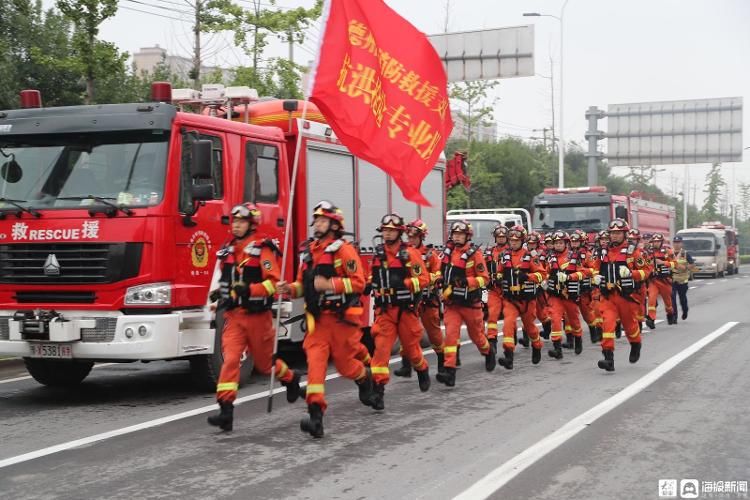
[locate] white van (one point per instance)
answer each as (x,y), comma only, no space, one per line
(484,221)
(709,249)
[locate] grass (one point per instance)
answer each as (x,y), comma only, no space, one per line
(744,259)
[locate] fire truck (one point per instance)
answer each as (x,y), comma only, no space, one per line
(111,217)
(732,242)
(591,209)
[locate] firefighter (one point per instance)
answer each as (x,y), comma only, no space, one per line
(618,275)
(663,262)
(578,245)
(464,276)
(495,286)
(397,278)
(331,280)
(636,241)
(540,256)
(522,276)
(429,308)
(680,277)
(566,272)
(250,267)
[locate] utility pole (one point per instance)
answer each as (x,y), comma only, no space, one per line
(552,97)
(291,46)
(447,15)
(197,49)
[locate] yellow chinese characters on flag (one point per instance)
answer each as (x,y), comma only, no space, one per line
(383,90)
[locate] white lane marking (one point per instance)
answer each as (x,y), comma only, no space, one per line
(27,377)
(710,283)
(50,450)
(496,479)
(693,287)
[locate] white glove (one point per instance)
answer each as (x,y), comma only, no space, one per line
(597,279)
(545,285)
(625,272)
(562,277)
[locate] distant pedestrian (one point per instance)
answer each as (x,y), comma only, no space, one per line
(680,276)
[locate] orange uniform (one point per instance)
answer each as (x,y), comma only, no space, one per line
(333,316)
(522,276)
(564,294)
(621,270)
(660,283)
(465,274)
(250,271)
(398,278)
(429,308)
(495,289)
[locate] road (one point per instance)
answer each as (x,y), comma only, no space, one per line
(559,430)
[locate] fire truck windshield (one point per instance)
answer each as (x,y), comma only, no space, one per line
(587,217)
(72,170)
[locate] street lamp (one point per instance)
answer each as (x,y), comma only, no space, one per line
(561,150)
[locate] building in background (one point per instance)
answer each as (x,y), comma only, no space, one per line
(482,132)
(149,58)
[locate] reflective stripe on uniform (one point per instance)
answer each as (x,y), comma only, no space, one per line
(608,335)
(315,389)
(470,263)
(381,370)
(652,308)
(227,386)
(450,349)
(492,325)
(539,276)
(297,289)
(508,340)
(268,285)
(415,285)
(337,263)
(283,371)
(480,281)
(347,285)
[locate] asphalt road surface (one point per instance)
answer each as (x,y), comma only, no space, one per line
(558,430)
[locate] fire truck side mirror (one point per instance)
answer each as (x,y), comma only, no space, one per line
(621,212)
(202,192)
(201,152)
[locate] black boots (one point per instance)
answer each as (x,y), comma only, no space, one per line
(608,363)
(525,340)
(568,341)
(536,355)
(424,380)
(507,361)
(314,423)
(618,330)
(595,334)
(448,377)
(578,344)
(556,351)
(489,358)
(293,390)
(672,319)
(635,352)
(650,323)
(546,329)
(440,362)
(684,314)
(405,370)
(377,401)
(458,354)
(366,391)
(224,418)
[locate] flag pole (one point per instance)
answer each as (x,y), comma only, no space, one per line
(292,190)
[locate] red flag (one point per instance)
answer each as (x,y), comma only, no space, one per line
(383,90)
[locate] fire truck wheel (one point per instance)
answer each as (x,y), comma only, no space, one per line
(205,368)
(57,373)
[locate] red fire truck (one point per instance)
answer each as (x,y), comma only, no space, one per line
(111,216)
(591,209)
(732,243)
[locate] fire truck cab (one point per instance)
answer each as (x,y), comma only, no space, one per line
(111,217)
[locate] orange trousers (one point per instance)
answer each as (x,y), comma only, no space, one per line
(473,317)
(494,308)
(657,287)
(430,317)
(642,299)
(588,312)
(526,310)
(253,333)
(331,338)
(564,308)
(616,307)
(543,311)
(390,324)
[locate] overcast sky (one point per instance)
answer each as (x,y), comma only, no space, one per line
(615,52)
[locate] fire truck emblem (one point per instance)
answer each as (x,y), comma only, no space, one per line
(51,266)
(199,249)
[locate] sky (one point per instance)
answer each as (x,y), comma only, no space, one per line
(615,52)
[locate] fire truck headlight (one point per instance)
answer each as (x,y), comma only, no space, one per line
(142,330)
(153,294)
(129,333)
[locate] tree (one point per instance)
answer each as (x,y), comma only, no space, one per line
(87,15)
(474,96)
(714,184)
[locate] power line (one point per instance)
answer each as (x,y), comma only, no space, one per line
(158,7)
(153,14)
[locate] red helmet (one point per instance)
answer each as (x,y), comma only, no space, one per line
(548,238)
(657,237)
(392,221)
(417,227)
(619,225)
(603,235)
(500,230)
(246,211)
(517,232)
(634,234)
(560,235)
(329,210)
(462,226)
(534,237)
(579,235)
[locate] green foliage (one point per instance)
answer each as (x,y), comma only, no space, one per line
(714,184)
(474,96)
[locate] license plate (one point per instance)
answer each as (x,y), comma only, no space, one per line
(56,351)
